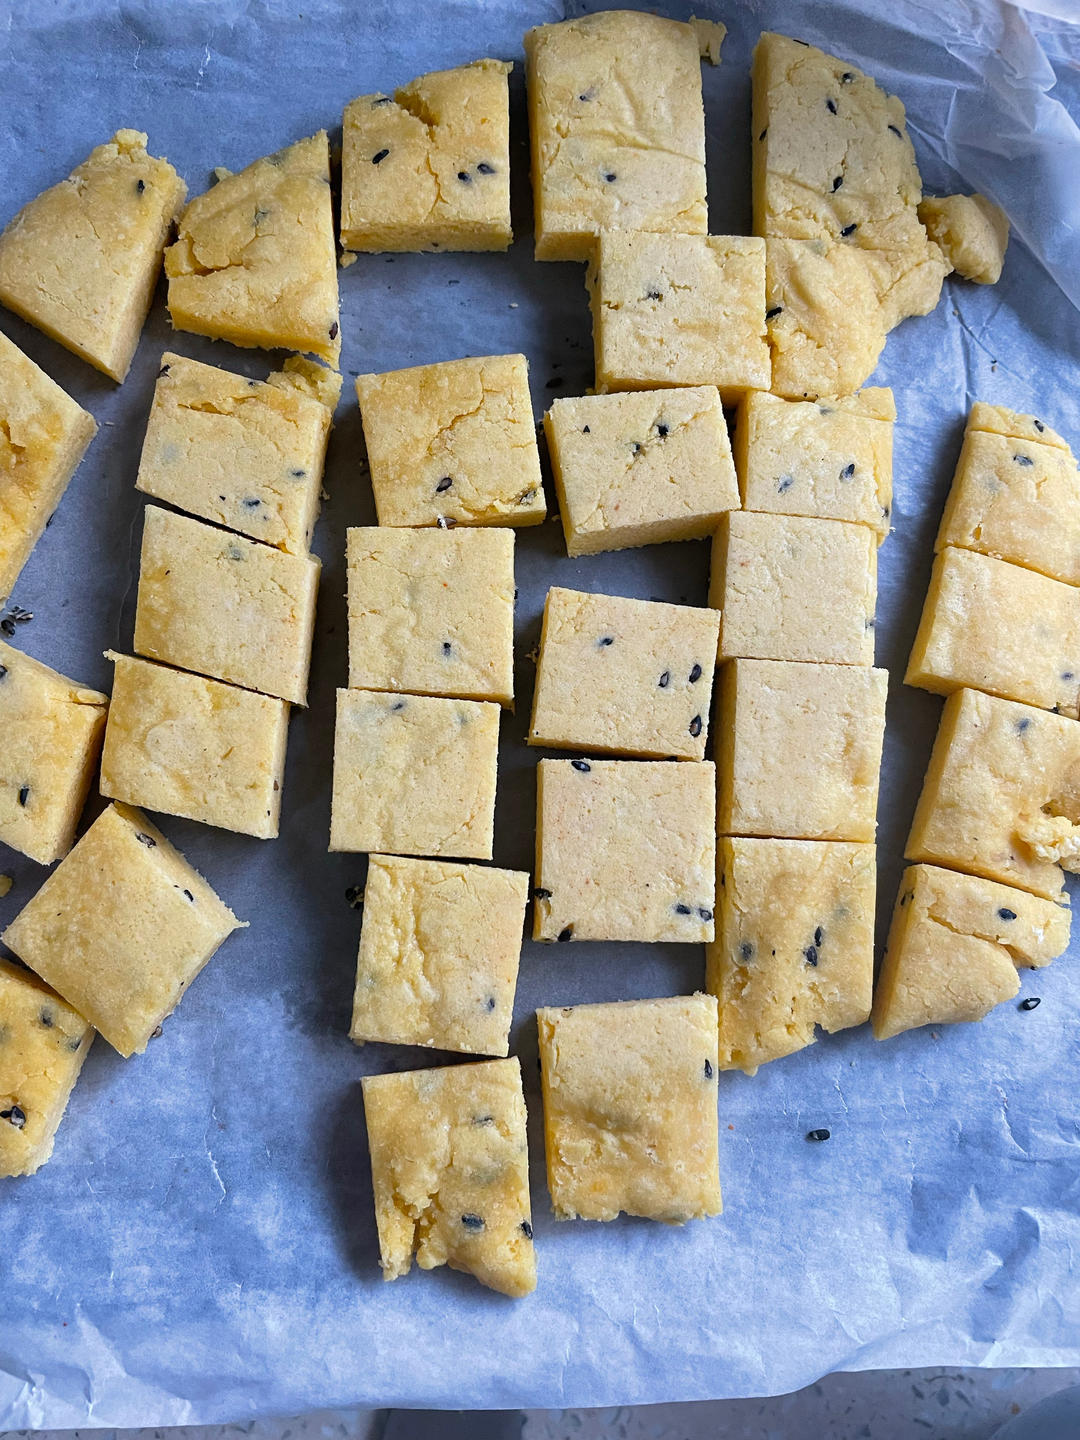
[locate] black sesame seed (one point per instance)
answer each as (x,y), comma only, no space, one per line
(654,295)
(526,1229)
(566,934)
(444,484)
(189,896)
(681,909)
(380,100)
(606,640)
(582,765)
(489,1003)
(610,176)
(695,726)
(1065,675)
(819,935)
(24,795)
(163,371)
(7,625)
(785,483)
(445,522)
(746,950)
(818,1135)
(849,229)
(15,1117)
(140,186)
(1004,913)
(635,447)
(810,955)
(705,914)
(585,430)
(298,474)
(397,706)
(74,1044)
(3,671)
(773,311)
(662,431)
(830,105)
(526,499)
(847,77)
(251,502)
(665,680)
(1031,1003)
(837,182)
(708,1070)
(483,1120)
(144,839)
(46,1018)
(379,157)
(695,674)
(1022,725)
(485,169)
(763,133)
(1039,426)
(464,177)
(1023,460)
(334,331)
(472,1222)
(848,471)
(896,132)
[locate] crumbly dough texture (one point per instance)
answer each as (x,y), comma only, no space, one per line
(81,260)
(52,729)
(431,611)
(616,143)
(794,945)
(439,952)
(246,454)
(121,928)
(454,443)
(255,260)
(429,169)
(414,775)
(43,1044)
(625,850)
(450,1169)
(630,1120)
(972,233)
(225,606)
(624,677)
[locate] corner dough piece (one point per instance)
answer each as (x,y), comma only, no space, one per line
(246,454)
(432,611)
(794,945)
(81,260)
(1000,628)
(625,850)
(187,746)
(453,443)
(831,459)
(43,436)
(121,928)
(450,1167)
(998,420)
(439,953)
(52,730)
(430,168)
(799,749)
(225,606)
(710,36)
(255,260)
(972,232)
(789,587)
(997,772)
(43,1044)
(414,775)
(625,677)
(630,1120)
(679,310)
(616,143)
(954,946)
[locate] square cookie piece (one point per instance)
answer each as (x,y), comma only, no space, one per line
(439,953)
(43,1044)
(794,945)
(453,443)
(121,928)
(225,606)
(641,467)
(627,677)
(189,746)
(799,749)
(831,459)
(429,169)
(52,730)
(679,310)
(43,436)
(625,850)
(616,144)
(450,1168)
(954,945)
(792,588)
(432,611)
(630,1119)
(998,420)
(414,775)
(243,453)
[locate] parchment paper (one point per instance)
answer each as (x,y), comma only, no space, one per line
(202,1246)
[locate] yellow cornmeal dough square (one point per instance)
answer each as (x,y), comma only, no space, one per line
(629,677)
(794,945)
(429,169)
(246,454)
(999,420)
(432,611)
(954,945)
(829,458)
(255,260)
(972,232)
(43,1044)
(1000,628)
(225,606)
(453,443)
(82,259)
(1003,785)
(121,928)
(414,775)
(798,749)
(450,1168)
(625,850)
(43,436)
(630,1121)
(439,953)
(184,745)
(789,587)
(616,143)
(641,467)
(52,729)
(679,310)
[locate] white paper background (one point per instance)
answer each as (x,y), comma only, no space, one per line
(202,1246)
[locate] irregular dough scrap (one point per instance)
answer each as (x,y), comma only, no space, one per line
(972,233)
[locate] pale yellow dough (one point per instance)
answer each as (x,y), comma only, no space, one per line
(973,234)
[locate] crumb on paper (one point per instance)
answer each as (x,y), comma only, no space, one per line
(710,36)
(348,257)
(6,883)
